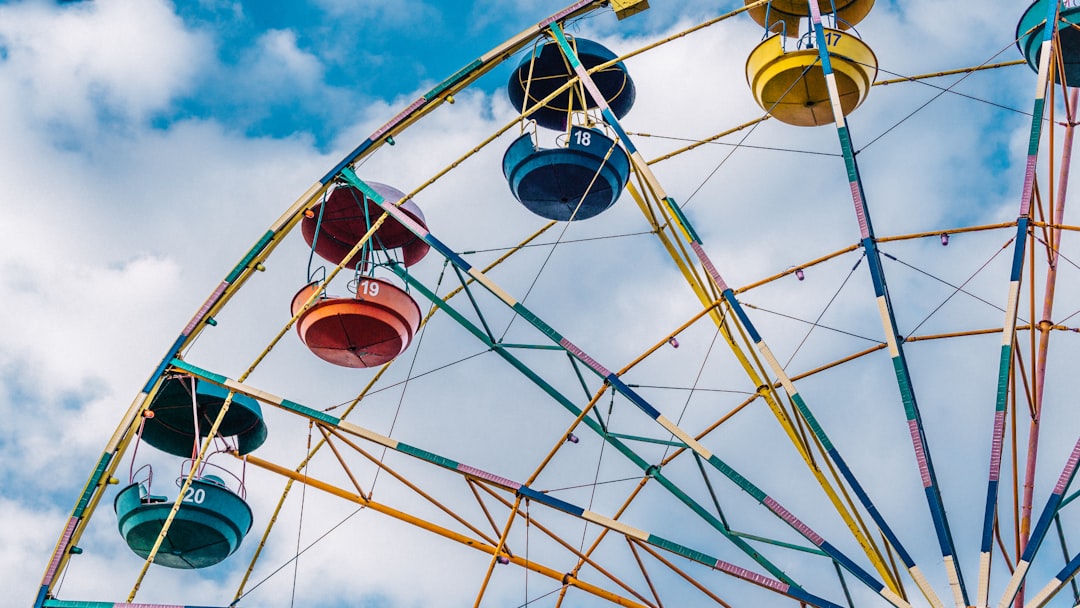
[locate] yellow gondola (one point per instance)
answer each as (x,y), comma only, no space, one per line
(790,85)
(782,16)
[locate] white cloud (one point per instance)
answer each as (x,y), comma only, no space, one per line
(277,68)
(104,59)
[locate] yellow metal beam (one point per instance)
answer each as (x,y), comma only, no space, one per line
(626,8)
(474,543)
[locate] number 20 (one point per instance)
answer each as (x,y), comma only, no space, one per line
(195,495)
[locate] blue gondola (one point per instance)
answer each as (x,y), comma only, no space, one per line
(171,428)
(208,527)
(574,182)
(546,70)
(1029,37)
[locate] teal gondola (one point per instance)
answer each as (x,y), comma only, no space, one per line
(1030,31)
(208,527)
(171,427)
(572,183)
(543,71)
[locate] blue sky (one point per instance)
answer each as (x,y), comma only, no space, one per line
(344,56)
(278,68)
(147,145)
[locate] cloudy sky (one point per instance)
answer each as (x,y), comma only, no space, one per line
(146,145)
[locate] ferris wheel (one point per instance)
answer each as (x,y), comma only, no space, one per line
(768,356)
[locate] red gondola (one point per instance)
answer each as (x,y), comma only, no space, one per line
(363,331)
(346,215)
